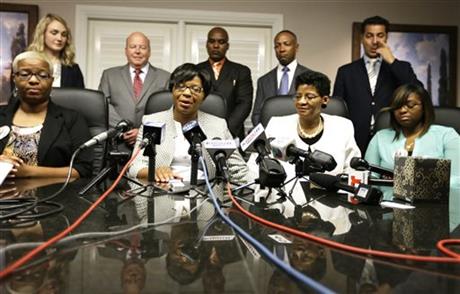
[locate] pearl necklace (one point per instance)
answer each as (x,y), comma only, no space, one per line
(306,135)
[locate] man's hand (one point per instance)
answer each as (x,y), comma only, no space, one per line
(385,51)
(130,136)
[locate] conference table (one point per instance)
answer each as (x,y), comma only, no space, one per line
(137,241)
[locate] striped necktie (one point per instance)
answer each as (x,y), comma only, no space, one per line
(137,84)
(284,85)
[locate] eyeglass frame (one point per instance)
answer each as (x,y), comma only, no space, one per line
(182,87)
(408,107)
(30,74)
(309,98)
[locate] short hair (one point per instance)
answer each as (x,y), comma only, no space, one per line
(219,29)
(375,20)
(316,79)
(187,72)
(32,55)
(286,32)
(67,56)
(400,96)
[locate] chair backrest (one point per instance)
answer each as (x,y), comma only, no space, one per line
(162,100)
(444,116)
(283,105)
(94,108)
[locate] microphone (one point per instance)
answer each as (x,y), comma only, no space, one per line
(193,133)
(154,132)
(285,149)
(271,172)
(220,150)
(256,141)
(361,164)
(121,127)
(363,193)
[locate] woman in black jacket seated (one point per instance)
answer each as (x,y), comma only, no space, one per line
(36,135)
(52,37)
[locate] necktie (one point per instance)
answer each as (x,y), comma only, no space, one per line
(137,84)
(372,73)
(284,85)
(216,68)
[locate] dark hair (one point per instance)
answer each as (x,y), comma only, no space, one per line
(400,96)
(287,32)
(316,79)
(375,20)
(187,72)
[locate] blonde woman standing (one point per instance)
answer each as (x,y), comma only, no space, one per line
(53,37)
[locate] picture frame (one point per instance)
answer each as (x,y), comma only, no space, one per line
(17,23)
(434,59)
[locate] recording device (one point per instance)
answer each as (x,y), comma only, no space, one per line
(194,134)
(271,172)
(121,127)
(220,150)
(361,164)
(318,161)
(363,193)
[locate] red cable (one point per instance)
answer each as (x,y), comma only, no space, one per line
(344,247)
(14,266)
(441,247)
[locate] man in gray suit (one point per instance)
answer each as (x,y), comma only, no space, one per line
(129,86)
(281,79)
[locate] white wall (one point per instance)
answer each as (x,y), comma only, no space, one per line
(323,28)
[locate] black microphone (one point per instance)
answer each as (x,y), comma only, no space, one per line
(361,164)
(220,150)
(285,149)
(363,193)
(271,172)
(121,127)
(154,132)
(194,134)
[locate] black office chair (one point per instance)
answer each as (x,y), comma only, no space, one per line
(445,116)
(162,100)
(93,106)
(283,105)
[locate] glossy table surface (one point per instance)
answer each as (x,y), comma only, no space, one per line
(186,248)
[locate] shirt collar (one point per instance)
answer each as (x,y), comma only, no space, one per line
(144,69)
(367,59)
(292,66)
(222,61)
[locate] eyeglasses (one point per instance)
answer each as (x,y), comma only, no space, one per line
(308,96)
(193,88)
(24,75)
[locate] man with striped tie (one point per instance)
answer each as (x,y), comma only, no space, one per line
(367,84)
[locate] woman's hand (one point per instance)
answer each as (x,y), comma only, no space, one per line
(17,162)
(164,173)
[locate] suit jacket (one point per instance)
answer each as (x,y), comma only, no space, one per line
(117,85)
(211,125)
(71,77)
(64,130)
(267,87)
(235,86)
(352,84)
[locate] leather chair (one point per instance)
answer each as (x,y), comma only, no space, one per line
(283,105)
(162,100)
(445,116)
(94,108)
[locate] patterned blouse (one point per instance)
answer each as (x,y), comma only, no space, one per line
(23,143)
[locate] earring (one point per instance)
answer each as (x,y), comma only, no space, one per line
(14,93)
(324,105)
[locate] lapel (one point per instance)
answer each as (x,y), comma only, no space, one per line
(6,119)
(362,75)
(54,122)
(224,71)
(126,77)
(380,77)
(297,72)
(167,148)
(272,83)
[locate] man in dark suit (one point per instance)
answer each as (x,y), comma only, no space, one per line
(272,83)
(368,83)
(129,86)
(230,80)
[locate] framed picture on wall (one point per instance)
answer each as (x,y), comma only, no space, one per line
(17,25)
(432,52)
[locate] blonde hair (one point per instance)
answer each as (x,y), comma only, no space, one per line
(67,55)
(32,55)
